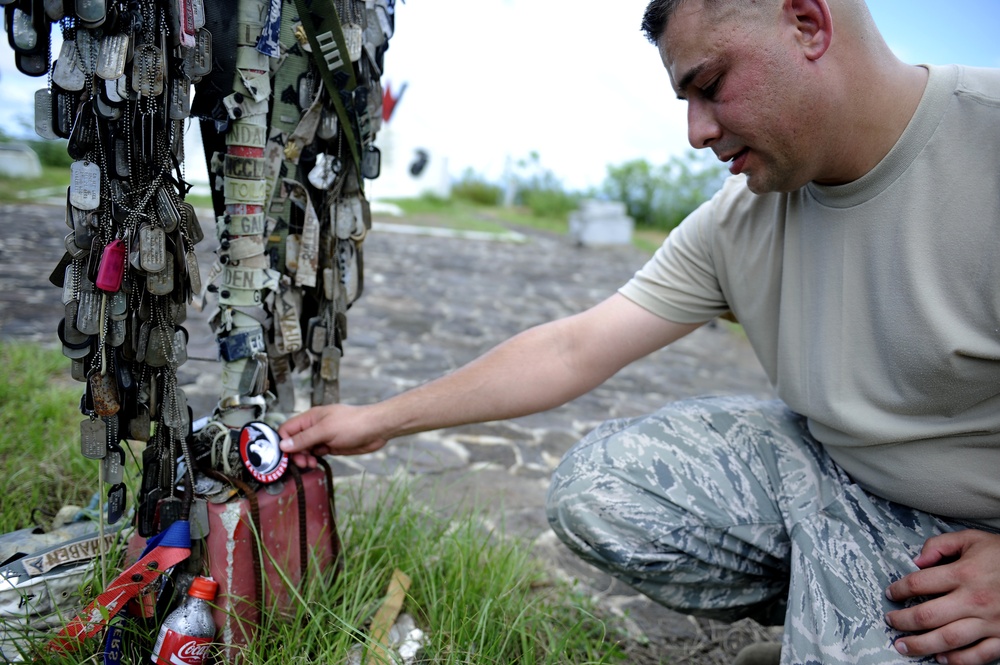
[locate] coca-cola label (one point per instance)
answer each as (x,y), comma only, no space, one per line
(175,648)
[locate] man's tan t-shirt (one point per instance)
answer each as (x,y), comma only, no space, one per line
(874,306)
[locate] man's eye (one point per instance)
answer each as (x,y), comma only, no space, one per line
(712,89)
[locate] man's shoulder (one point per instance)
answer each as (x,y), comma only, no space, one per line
(981,83)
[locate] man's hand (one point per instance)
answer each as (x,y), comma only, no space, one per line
(336,429)
(960,623)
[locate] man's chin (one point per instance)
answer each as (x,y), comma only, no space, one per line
(760,182)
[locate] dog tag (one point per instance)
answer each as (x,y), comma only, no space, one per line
(63,107)
(66,72)
(84,133)
(92,12)
(193,270)
(168,511)
(152,248)
(327,128)
(87,48)
(88,315)
(116,333)
(190,224)
(69,280)
(350,279)
(114,464)
(110,91)
(199,519)
(329,365)
(78,370)
(167,211)
(316,334)
(54,9)
(175,410)
(122,169)
(85,185)
(104,110)
(104,390)
(142,342)
(146,525)
(23,35)
(118,306)
(162,283)
(371,163)
(93,438)
(353,40)
(43,114)
(147,71)
(179,346)
(201,55)
(112,57)
(156,349)
(116,503)
(73,338)
(138,427)
(180,99)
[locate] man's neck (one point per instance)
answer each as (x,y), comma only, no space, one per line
(879,111)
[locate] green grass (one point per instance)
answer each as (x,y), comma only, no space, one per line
(479,596)
(51,184)
(39,436)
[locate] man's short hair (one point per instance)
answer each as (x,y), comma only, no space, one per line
(658,13)
(654,21)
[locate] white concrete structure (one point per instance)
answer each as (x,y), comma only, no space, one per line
(601,223)
(19,161)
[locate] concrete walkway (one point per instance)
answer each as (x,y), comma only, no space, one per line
(432,303)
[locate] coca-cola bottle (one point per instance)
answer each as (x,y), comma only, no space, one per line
(187,632)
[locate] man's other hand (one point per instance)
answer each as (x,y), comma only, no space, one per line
(960,621)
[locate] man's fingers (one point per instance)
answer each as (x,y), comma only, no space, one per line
(926,616)
(952,637)
(296,424)
(987,651)
(304,460)
(942,547)
(927,582)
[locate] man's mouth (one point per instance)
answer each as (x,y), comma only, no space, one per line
(737,161)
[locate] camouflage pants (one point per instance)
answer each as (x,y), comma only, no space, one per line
(728,508)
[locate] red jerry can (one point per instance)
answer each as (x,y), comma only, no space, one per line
(297,536)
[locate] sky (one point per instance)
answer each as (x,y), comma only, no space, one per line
(491,81)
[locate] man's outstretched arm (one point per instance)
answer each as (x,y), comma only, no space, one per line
(539,369)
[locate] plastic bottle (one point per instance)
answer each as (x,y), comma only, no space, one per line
(187,632)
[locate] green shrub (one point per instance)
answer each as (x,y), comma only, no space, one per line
(662,196)
(474,188)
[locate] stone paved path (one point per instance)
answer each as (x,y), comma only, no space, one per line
(430,304)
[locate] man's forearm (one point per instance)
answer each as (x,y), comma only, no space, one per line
(528,373)
(539,369)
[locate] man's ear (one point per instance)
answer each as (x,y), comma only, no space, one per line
(813,24)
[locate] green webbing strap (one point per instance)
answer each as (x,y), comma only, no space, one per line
(320,19)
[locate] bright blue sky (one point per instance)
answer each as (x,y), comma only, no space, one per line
(575,81)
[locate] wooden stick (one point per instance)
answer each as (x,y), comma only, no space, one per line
(385,617)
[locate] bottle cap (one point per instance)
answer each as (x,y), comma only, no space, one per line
(204,588)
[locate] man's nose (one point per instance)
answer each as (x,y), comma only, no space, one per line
(703,129)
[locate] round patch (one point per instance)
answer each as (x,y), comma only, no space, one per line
(260,452)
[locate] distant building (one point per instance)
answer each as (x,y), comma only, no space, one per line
(19,161)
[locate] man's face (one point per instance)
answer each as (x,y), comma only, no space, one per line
(742,81)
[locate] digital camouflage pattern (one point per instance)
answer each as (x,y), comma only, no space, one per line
(726,507)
